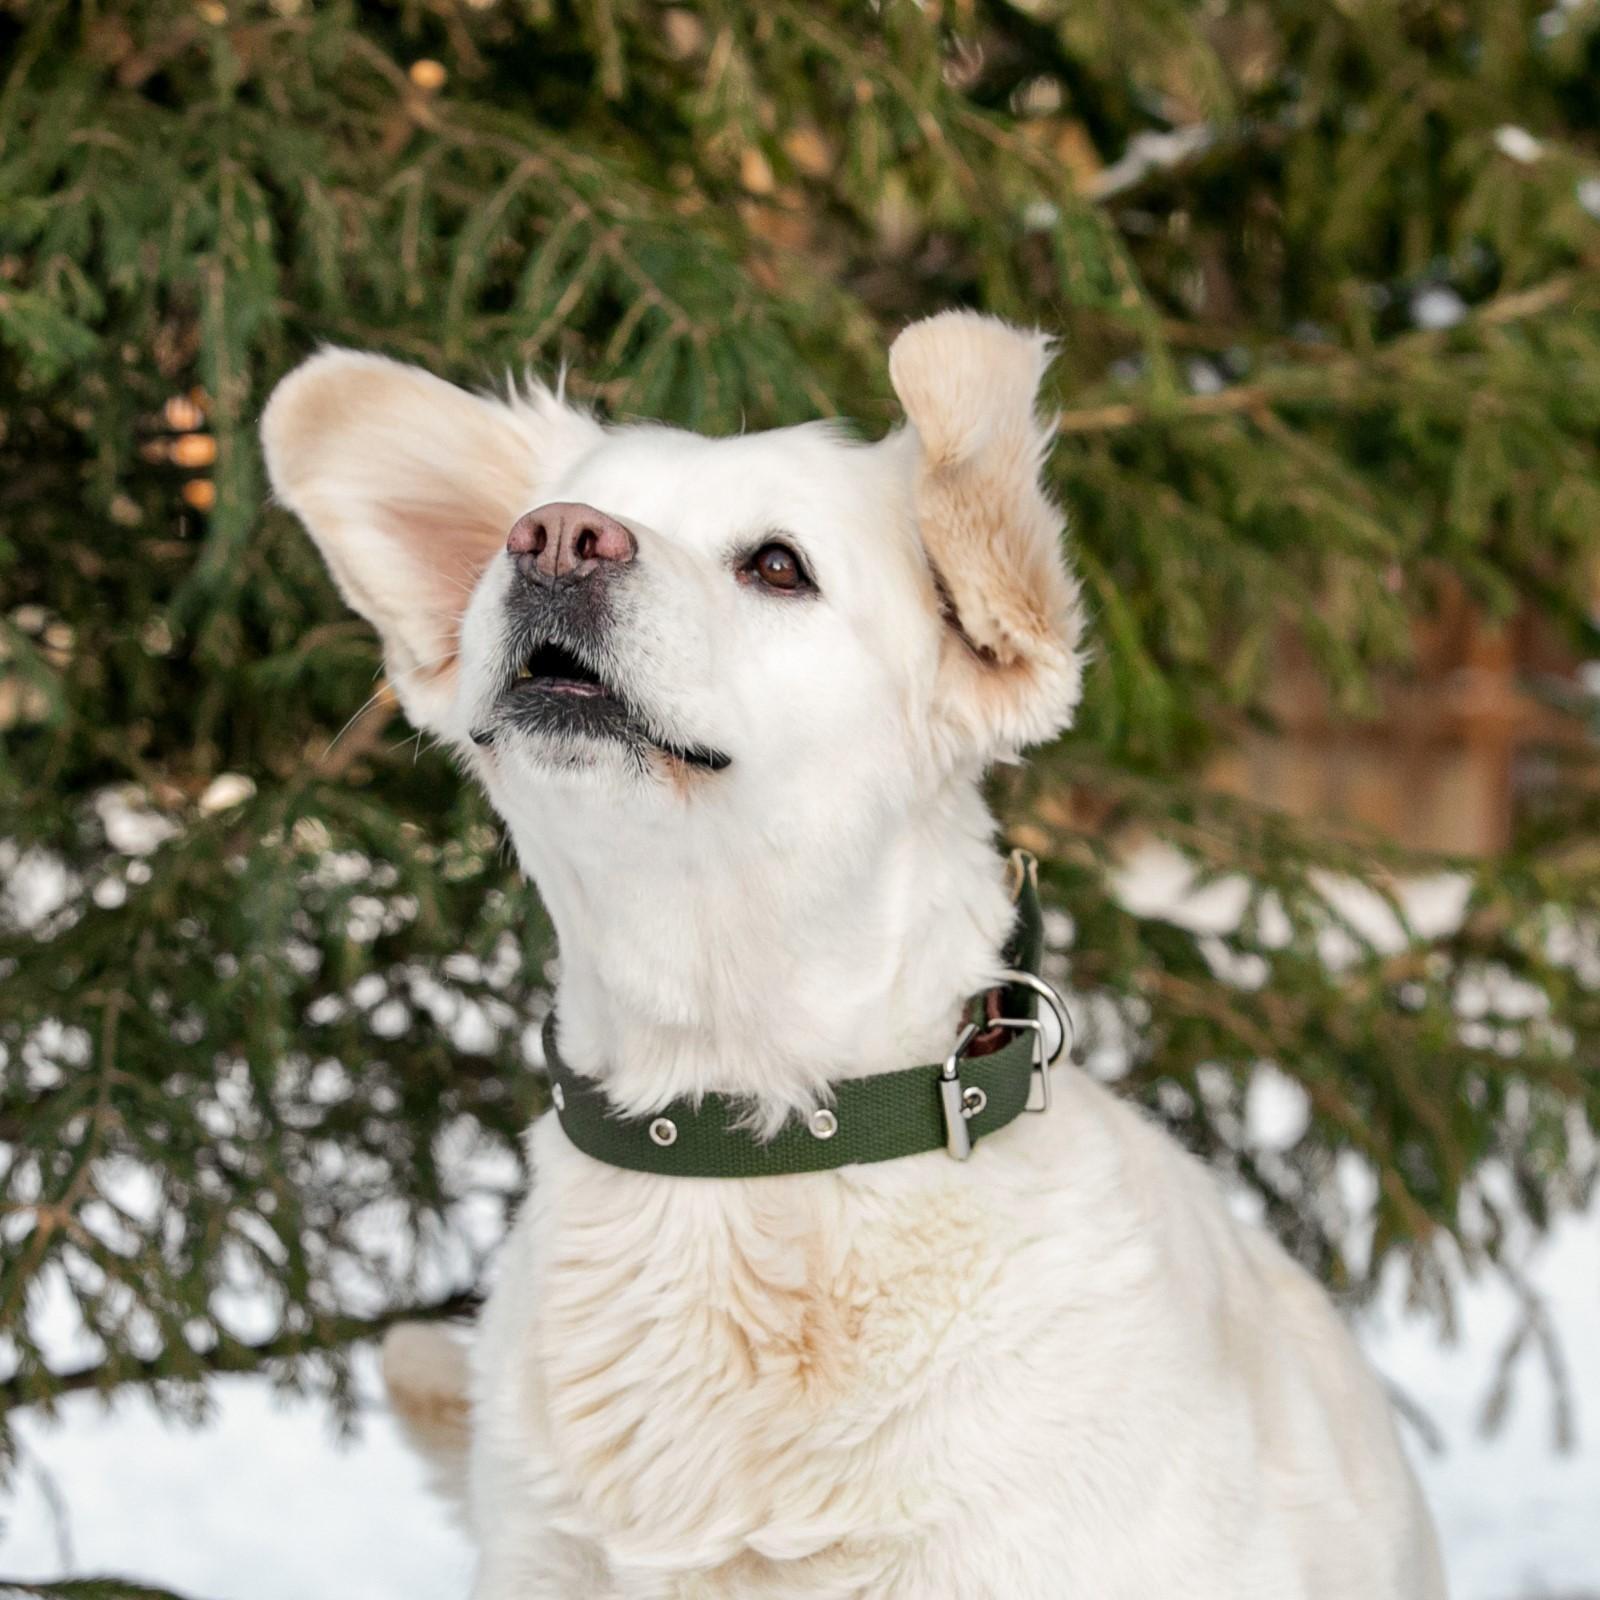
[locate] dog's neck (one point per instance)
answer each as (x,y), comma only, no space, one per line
(690,966)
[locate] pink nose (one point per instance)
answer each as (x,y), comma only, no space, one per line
(567,540)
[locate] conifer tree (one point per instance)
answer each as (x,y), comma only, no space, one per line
(1324,280)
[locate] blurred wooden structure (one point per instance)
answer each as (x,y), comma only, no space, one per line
(1458,745)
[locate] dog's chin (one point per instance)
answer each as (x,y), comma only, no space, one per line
(583,727)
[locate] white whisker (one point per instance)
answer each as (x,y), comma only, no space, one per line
(386,687)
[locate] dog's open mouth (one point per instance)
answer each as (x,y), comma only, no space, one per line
(555,693)
(552,670)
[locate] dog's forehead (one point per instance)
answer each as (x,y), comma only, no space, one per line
(701,490)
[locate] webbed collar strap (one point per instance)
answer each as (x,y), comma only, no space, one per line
(998,1069)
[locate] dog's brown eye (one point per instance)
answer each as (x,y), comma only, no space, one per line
(778,567)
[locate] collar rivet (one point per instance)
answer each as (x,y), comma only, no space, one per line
(823,1123)
(664,1131)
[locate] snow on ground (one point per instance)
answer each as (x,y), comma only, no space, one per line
(1518,1520)
(262,1503)
(265,1503)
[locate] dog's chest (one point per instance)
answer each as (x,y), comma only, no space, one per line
(711,1368)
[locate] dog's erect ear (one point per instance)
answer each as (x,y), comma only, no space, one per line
(1010,673)
(409,486)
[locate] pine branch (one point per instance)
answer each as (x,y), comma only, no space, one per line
(1338,380)
(230,1358)
(83,1589)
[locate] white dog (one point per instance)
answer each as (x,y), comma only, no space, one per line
(733,698)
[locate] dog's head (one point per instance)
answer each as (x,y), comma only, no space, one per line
(780,623)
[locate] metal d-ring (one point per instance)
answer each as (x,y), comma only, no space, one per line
(1052,998)
(1041,1066)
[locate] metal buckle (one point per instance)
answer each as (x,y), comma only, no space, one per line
(960,1103)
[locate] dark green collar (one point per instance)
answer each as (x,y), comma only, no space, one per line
(996,1071)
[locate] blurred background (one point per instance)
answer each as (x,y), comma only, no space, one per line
(1322,852)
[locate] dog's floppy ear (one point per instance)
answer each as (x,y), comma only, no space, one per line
(1010,672)
(409,486)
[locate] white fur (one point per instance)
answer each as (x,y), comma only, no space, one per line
(1058,1369)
